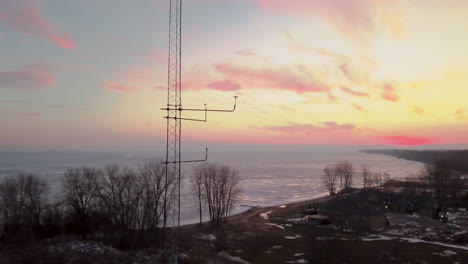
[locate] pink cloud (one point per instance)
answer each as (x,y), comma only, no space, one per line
(282,79)
(389,93)
(406,141)
(119,87)
(225,85)
(25,16)
(324,127)
(357,70)
(357,20)
(137,78)
(354,93)
(30,77)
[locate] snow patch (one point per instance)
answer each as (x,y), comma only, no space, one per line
(230,257)
(417,240)
(271,224)
(282,206)
(265,215)
(209,237)
(375,238)
(295,220)
(290,237)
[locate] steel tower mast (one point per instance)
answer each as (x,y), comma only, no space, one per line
(174,119)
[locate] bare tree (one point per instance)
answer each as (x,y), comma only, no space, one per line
(366,176)
(11,203)
(80,189)
(220,189)
(120,195)
(443,179)
(23,199)
(229,190)
(377,179)
(197,188)
(152,200)
(329,179)
(347,171)
(35,191)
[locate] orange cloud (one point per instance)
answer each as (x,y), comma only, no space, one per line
(358,107)
(418,110)
(461,114)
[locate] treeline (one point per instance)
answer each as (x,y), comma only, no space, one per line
(341,176)
(117,205)
(458,159)
(446,182)
(113,203)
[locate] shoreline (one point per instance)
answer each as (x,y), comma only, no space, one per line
(239,217)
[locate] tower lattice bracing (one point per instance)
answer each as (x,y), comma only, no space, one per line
(173,118)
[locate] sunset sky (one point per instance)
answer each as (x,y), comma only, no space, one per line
(92,74)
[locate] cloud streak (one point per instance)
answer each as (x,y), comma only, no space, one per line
(225,85)
(25,16)
(308,129)
(354,93)
(120,87)
(357,20)
(283,79)
(405,140)
(389,93)
(29,77)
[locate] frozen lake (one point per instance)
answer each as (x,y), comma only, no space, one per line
(269,176)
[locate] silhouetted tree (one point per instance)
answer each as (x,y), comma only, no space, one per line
(23,199)
(80,196)
(120,194)
(152,176)
(220,190)
(345,172)
(443,179)
(329,179)
(197,188)
(366,176)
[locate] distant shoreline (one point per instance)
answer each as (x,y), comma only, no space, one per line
(457,158)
